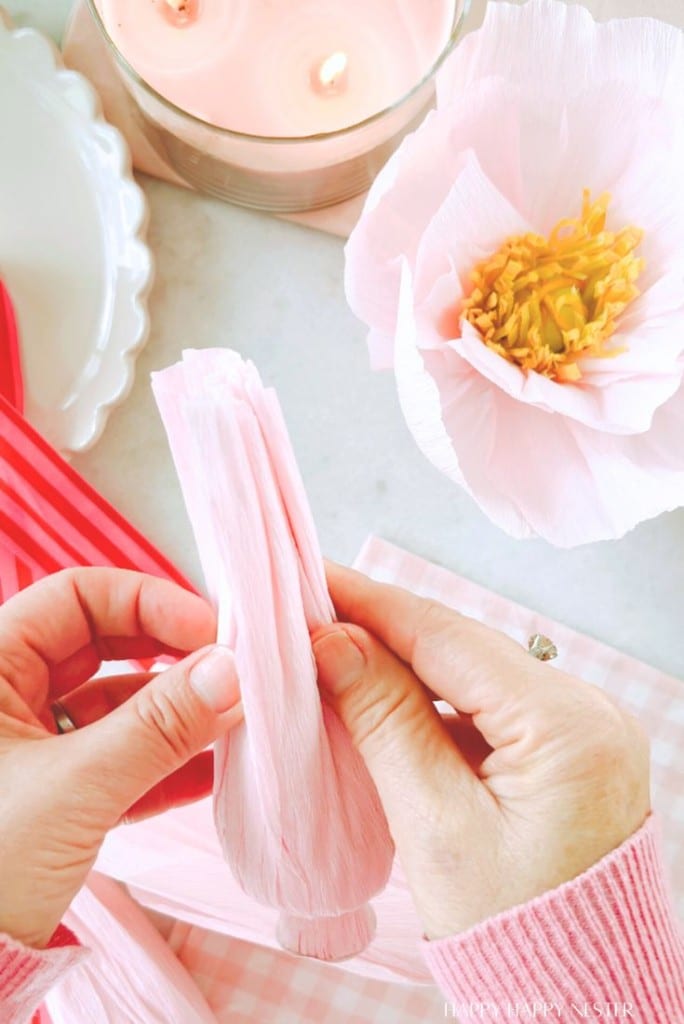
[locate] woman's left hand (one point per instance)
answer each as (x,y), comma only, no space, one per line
(139,745)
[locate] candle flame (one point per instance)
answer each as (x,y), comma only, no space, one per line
(332,68)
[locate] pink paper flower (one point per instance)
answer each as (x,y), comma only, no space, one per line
(556,401)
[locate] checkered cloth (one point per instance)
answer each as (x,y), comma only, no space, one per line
(248,983)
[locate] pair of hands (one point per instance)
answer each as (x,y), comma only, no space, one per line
(533,779)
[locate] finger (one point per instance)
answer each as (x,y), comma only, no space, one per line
(187,784)
(14,707)
(471,743)
(98,697)
(84,609)
(404,621)
(478,670)
(154,733)
(86,662)
(396,728)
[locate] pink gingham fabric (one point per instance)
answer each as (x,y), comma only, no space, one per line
(244,982)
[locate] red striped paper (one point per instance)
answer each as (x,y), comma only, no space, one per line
(11,383)
(51,518)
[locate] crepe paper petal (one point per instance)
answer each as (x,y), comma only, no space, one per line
(589,140)
(579,106)
(558,49)
(473,221)
(401,201)
(533,474)
(523,466)
(636,477)
(649,193)
(130,974)
(429,415)
(371,269)
(298,817)
(380,349)
(625,404)
(556,472)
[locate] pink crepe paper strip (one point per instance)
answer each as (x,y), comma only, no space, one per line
(131,973)
(298,817)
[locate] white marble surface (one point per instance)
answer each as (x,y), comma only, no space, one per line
(274,291)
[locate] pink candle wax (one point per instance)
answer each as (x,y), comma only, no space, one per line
(280,68)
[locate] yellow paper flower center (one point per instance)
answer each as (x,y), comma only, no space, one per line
(544,304)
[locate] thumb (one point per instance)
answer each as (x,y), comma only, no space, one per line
(175,716)
(393,723)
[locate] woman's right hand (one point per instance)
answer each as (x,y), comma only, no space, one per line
(537,777)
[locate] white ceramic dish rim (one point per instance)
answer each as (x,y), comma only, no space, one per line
(114,379)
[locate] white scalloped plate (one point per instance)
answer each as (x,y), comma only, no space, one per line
(71,251)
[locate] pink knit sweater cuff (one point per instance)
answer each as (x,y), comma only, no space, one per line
(604,946)
(27,975)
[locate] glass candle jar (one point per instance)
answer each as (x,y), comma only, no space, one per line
(281,105)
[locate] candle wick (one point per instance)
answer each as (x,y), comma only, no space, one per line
(181,12)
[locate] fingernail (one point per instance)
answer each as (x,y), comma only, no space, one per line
(340,661)
(215,680)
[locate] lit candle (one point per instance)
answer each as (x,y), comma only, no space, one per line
(280,68)
(329,77)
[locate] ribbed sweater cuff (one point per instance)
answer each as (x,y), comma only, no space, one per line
(608,937)
(26,975)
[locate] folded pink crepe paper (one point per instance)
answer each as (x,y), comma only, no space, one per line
(298,816)
(174,864)
(131,974)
